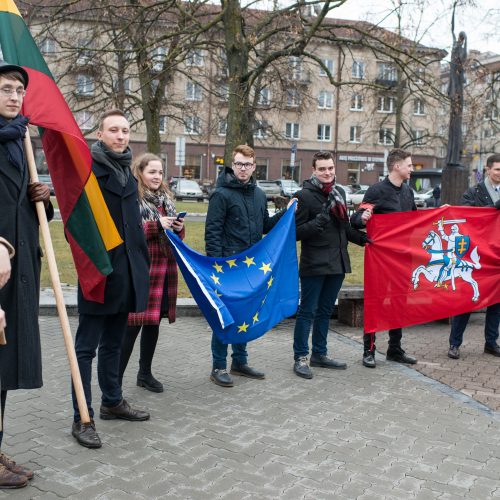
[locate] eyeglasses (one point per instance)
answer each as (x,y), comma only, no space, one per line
(8,91)
(242,166)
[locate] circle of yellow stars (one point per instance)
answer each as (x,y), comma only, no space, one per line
(249,261)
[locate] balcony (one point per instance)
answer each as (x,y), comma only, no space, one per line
(388,84)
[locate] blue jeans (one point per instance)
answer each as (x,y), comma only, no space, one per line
(219,353)
(105,334)
(459,323)
(317,300)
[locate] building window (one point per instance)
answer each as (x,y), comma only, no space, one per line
(127,86)
(418,107)
(325,99)
(264,97)
(192,125)
(385,104)
(195,58)
(260,129)
(163,124)
(329,65)
(324,132)
(292,98)
(387,72)
(358,69)
(193,92)
(355,134)
(261,168)
(419,76)
(295,68)
(418,137)
(222,127)
(223,92)
(292,131)
(84,54)
(84,85)
(386,136)
(85,120)
(48,46)
(356,102)
(158,57)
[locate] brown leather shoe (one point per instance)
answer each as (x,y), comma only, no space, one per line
(13,467)
(123,411)
(10,480)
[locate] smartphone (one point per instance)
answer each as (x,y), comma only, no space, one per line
(181,215)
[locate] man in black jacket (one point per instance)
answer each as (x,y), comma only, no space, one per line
(21,357)
(323,229)
(102,326)
(485,194)
(237,218)
(390,195)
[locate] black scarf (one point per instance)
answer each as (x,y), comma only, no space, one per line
(119,163)
(335,202)
(11,137)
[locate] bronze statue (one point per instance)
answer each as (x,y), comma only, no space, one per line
(456,95)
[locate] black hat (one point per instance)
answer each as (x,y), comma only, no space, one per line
(5,67)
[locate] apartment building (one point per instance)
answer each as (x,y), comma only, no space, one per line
(371,104)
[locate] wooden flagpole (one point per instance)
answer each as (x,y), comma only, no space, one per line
(56,285)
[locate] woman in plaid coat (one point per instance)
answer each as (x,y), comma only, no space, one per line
(158,213)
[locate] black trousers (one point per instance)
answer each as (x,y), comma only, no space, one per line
(149,339)
(395,336)
(3,399)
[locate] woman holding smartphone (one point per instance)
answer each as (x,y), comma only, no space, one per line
(158,213)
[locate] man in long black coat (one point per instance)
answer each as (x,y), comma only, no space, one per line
(20,358)
(102,326)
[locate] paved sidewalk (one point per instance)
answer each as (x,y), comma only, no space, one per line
(388,433)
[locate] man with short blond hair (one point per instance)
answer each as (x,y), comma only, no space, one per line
(236,220)
(102,326)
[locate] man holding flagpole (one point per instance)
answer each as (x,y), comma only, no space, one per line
(20,358)
(236,220)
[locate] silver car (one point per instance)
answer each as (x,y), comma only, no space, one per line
(188,189)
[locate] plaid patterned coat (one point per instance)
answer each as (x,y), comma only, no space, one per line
(161,265)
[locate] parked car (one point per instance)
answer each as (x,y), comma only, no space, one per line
(45,178)
(187,189)
(288,187)
(358,196)
(270,188)
(348,193)
(425,198)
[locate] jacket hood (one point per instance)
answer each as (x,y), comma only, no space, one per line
(228,179)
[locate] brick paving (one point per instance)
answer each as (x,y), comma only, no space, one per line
(388,433)
(475,374)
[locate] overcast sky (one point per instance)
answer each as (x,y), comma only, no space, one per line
(432,26)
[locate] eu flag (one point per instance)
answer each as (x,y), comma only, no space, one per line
(245,295)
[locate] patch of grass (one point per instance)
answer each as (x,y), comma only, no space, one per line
(195,238)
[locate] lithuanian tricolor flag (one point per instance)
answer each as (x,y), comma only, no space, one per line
(90,230)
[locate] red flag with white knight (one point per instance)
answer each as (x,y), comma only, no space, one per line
(430,264)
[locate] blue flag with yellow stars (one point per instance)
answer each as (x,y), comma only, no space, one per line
(245,295)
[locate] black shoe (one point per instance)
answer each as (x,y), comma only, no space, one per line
(246,371)
(149,382)
(219,376)
(324,361)
(369,359)
(86,434)
(301,368)
(492,349)
(400,356)
(123,411)
(454,352)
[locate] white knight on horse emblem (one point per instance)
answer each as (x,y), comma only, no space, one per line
(447,264)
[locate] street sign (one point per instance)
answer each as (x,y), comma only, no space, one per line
(180,151)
